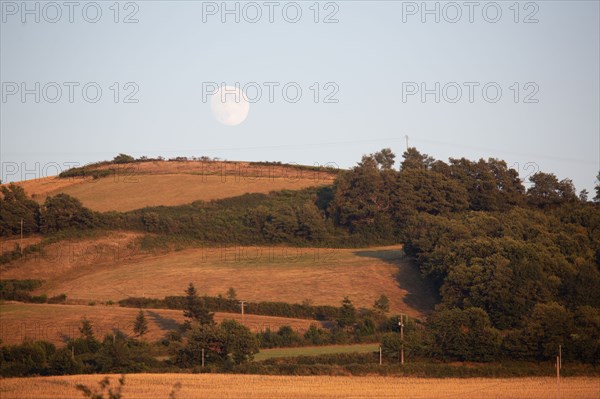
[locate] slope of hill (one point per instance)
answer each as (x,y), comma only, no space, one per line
(111,267)
(168,183)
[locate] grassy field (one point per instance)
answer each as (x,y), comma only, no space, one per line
(315,350)
(174,183)
(216,386)
(108,268)
(56,322)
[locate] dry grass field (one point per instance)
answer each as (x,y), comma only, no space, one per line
(55,322)
(109,268)
(174,183)
(218,386)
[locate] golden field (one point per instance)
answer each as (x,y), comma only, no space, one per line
(219,386)
(110,268)
(54,323)
(145,184)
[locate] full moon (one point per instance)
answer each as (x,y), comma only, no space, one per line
(229,105)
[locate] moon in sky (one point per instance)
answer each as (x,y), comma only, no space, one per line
(229,106)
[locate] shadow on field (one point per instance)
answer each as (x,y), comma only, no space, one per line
(164,323)
(421,295)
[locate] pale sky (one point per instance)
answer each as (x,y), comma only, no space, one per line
(375,61)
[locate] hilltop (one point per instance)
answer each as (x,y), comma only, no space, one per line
(124,186)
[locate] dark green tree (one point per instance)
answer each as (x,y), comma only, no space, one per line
(207,337)
(63,211)
(123,158)
(547,190)
(62,362)
(239,341)
(86,329)
(140,326)
(413,159)
(464,334)
(195,308)
(385,158)
(15,206)
(347,317)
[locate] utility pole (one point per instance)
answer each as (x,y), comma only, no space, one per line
(558,376)
(406,136)
(202,357)
(401,324)
(21,236)
(560,355)
(242,303)
(380,358)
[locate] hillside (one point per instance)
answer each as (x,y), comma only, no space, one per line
(154,183)
(111,267)
(514,270)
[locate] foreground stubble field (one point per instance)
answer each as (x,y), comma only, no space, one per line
(218,386)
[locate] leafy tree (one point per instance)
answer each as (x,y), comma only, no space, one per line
(140,327)
(123,158)
(382,304)
(87,342)
(195,308)
(362,199)
(315,335)
(63,211)
(14,207)
(239,342)
(490,185)
(420,190)
(86,329)
(464,334)
(207,337)
(586,337)
(385,158)
(391,345)
(547,190)
(583,195)
(413,159)
(63,362)
(347,317)
(545,329)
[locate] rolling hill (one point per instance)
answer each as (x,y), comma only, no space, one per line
(169,183)
(111,267)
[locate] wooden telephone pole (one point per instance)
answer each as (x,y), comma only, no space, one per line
(21,236)
(558,367)
(401,324)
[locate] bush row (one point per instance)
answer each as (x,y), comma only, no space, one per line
(221,304)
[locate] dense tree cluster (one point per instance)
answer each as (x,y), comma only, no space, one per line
(517,270)
(59,212)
